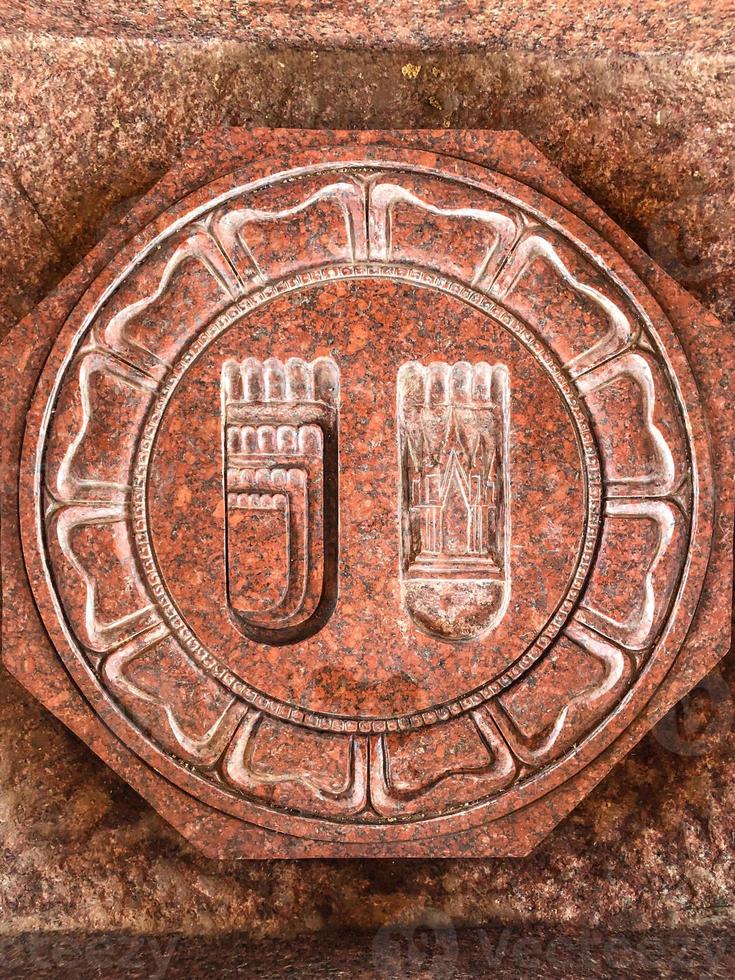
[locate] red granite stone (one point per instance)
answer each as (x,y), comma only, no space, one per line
(374,495)
(643,26)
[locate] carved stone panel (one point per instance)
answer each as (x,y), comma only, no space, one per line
(280,463)
(455,488)
(372,500)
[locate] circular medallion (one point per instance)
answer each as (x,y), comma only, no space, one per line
(363,496)
(178,503)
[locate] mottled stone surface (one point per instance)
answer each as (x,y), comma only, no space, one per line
(424,948)
(342,322)
(643,27)
(651,141)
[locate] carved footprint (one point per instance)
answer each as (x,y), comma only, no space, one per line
(280,451)
(455,526)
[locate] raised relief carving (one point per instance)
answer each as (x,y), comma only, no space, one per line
(246,234)
(333,786)
(489,767)
(87,507)
(495,235)
(600,680)
(346,742)
(102,624)
(198,737)
(280,450)
(131,338)
(578,351)
(637,458)
(636,595)
(453,425)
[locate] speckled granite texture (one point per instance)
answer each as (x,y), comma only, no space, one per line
(220,446)
(87,126)
(646,26)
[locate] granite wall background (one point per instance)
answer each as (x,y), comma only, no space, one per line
(636,105)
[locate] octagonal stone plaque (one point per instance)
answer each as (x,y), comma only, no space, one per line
(365,494)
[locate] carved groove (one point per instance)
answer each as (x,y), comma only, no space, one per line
(453,423)
(280,472)
(281,459)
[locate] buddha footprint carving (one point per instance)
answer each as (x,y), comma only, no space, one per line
(280,444)
(453,422)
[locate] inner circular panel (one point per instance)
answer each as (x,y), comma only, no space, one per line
(370,660)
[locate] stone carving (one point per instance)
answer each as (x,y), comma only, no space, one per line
(199,248)
(201,749)
(637,626)
(208,488)
(659,476)
(281,472)
(384,196)
(339,205)
(616,331)
(455,507)
(345,793)
(494,768)
(577,711)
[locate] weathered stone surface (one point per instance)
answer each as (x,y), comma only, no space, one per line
(450,396)
(425,946)
(649,139)
(642,27)
(89,123)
